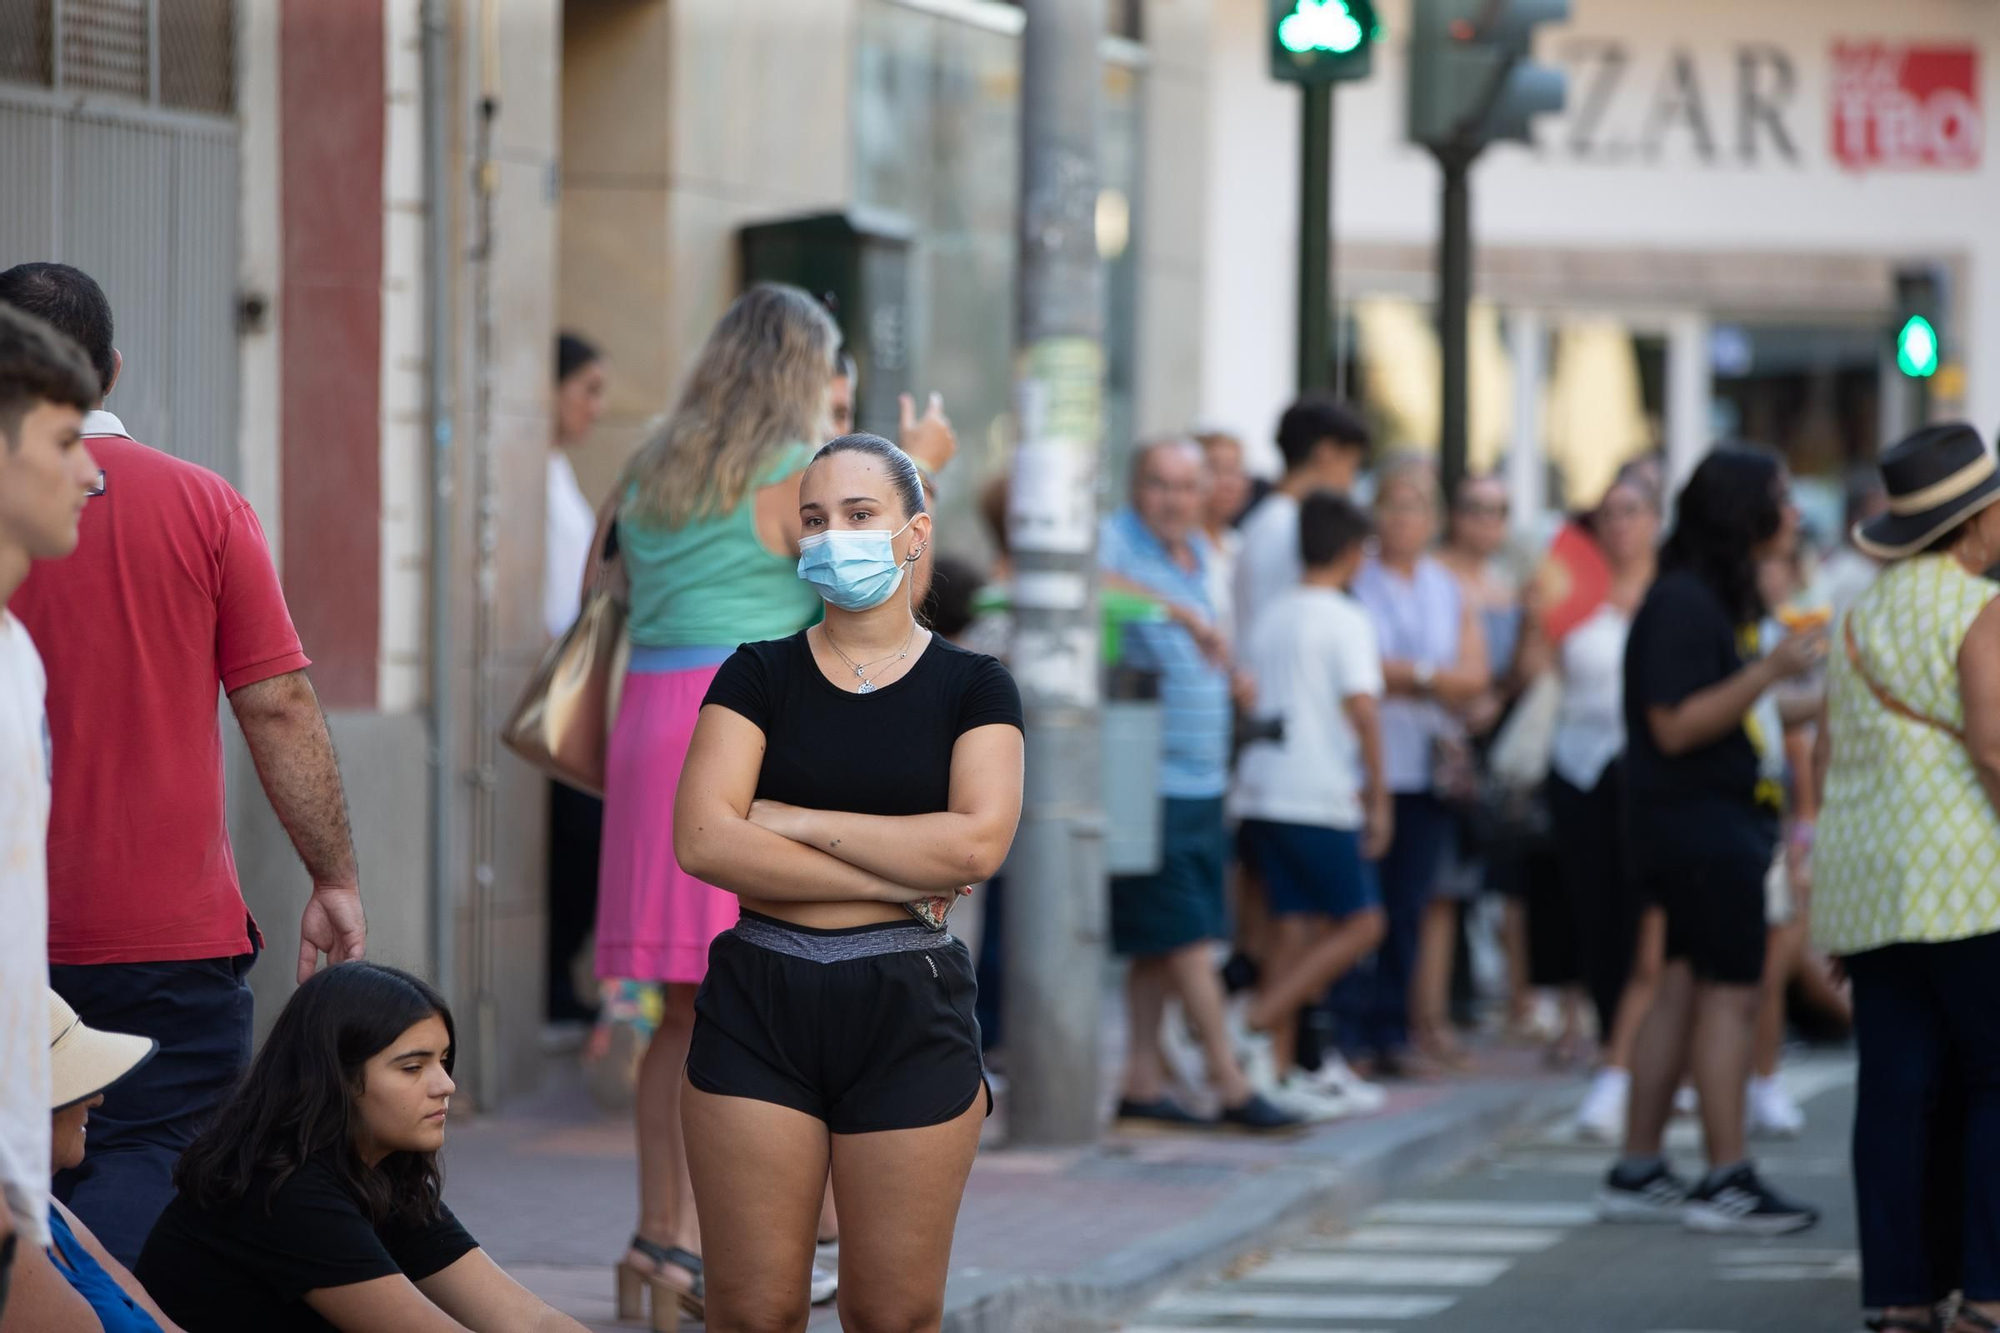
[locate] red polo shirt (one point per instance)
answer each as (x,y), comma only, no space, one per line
(170,595)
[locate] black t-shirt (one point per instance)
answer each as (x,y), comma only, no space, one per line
(241,1268)
(1711,801)
(884,753)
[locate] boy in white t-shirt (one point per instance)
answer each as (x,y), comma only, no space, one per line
(1316,812)
(46,385)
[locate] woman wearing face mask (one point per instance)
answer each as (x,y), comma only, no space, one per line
(314,1200)
(844,783)
(75,1285)
(707,518)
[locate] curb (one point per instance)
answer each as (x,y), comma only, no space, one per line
(1341,1179)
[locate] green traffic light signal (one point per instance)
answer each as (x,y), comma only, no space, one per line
(1322,41)
(1321,25)
(1917,348)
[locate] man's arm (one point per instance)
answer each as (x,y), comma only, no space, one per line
(282,721)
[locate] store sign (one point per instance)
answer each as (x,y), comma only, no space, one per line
(1630,103)
(1906,108)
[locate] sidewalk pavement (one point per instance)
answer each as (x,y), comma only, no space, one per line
(1047,1238)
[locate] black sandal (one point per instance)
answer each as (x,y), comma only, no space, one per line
(1979,1323)
(634,1282)
(1900,1324)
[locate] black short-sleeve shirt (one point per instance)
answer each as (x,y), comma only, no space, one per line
(1714,800)
(884,753)
(242,1268)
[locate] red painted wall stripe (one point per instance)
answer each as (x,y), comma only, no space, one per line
(331,104)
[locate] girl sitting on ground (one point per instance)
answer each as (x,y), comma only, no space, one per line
(314,1200)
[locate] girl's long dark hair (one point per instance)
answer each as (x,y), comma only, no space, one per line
(1729,506)
(296,1101)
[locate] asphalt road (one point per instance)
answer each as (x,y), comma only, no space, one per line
(1512,1246)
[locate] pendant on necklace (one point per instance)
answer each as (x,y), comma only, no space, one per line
(867,686)
(858,675)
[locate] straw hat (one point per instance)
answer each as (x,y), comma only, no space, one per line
(1936,479)
(84,1061)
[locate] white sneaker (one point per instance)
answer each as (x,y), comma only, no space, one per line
(1185,1062)
(1773,1113)
(825,1284)
(1259,1060)
(1337,1078)
(1601,1118)
(1298,1096)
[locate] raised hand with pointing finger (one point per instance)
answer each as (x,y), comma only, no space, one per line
(928,439)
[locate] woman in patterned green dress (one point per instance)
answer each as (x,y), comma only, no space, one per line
(1906,882)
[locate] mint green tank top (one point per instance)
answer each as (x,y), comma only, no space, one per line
(711,582)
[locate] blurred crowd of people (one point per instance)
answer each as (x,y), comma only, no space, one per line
(1378,713)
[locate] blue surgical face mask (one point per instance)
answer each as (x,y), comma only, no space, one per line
(853,570)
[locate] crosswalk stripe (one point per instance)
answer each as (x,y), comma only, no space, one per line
(1381,1270)
(1741,1258)
(1592,1160)
(1474,1212)
(1239,1305)
(1442,1240)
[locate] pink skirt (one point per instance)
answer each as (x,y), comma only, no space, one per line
(654,920)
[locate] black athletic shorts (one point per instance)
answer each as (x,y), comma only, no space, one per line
(1715,915)
(867,1029)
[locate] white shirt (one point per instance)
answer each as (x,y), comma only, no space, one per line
(1311,650)
(24,932)
(1843,577)
(1590,728)
(1269,562)
(571,523)
(1225,549)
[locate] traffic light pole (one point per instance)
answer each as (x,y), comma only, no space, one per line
(1054,907)
(1316,303)
(1454,305)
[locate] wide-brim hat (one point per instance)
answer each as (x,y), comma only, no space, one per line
(83,1061)
(1936,479)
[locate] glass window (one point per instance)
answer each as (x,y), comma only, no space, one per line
(938,142)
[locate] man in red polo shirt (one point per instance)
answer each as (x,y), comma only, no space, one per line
(170,596)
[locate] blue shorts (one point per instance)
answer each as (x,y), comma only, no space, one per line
(1308,868)
(1181,903)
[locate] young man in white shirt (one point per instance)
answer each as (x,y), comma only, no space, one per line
(46,474)
(1325,445)
(1316,811)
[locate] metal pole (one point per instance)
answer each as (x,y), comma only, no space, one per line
(1454,299)
(1054,906)
(1315,235)
(438,180)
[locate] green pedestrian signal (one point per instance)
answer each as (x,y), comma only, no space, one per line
(1322,41)
(1917,349)
(1320,25)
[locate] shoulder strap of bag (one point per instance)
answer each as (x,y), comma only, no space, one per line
(1882,696)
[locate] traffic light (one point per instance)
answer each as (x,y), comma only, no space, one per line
(1322,41)
(1471,79)
(1919,315)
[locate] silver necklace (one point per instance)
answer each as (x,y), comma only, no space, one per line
(881,664)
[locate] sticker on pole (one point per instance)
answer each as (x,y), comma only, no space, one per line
(1060,399)
(1907,108)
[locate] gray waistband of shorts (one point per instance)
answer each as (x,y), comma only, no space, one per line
(838,946)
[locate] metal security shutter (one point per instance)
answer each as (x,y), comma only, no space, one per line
(116,124)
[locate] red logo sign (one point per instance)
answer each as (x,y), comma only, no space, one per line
(1906,108)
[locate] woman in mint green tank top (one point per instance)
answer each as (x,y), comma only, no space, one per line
(708,525)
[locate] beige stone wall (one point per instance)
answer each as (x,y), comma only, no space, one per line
(405,416)
(680,122)
(1173,215)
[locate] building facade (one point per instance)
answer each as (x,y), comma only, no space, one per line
(1706,242)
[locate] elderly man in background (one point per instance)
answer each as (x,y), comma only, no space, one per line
(1167,922)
